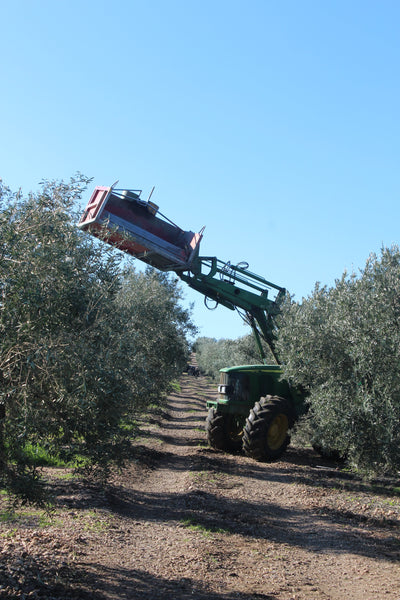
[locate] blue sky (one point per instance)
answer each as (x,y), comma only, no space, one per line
(274,124)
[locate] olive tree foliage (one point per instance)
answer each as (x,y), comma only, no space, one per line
(213,355)
(342,344)
(74,359)
(157,329)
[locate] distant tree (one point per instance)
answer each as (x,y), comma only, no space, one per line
(343,345)
(212,355)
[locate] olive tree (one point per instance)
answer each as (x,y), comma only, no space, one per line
(76,354)
(212,355)
(58,382)
(157,329)
(342,344)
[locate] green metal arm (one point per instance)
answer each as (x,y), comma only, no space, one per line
(235,287)
(122,219)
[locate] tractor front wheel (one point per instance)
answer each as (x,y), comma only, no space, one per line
(224,431)
(265,435)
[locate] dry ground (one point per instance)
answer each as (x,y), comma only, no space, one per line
(184,521)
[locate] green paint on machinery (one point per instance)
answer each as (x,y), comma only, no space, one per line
(255,409)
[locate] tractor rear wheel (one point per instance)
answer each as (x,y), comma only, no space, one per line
(224,431)
(265,435)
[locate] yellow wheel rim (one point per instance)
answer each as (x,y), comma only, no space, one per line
(235,429)
(277,431)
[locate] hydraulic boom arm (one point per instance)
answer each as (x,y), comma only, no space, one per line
(121,218)
(235,287)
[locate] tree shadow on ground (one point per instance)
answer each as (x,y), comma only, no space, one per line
(298,465)
(221,471)
(262,519)
(134,584)
(94,581)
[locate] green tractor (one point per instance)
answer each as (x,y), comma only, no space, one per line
(255,408)
(254,411)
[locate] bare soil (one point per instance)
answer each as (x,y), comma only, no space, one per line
(184,521)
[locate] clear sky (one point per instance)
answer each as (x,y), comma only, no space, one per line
(274,124)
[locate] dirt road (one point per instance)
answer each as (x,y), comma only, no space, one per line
(184,521)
